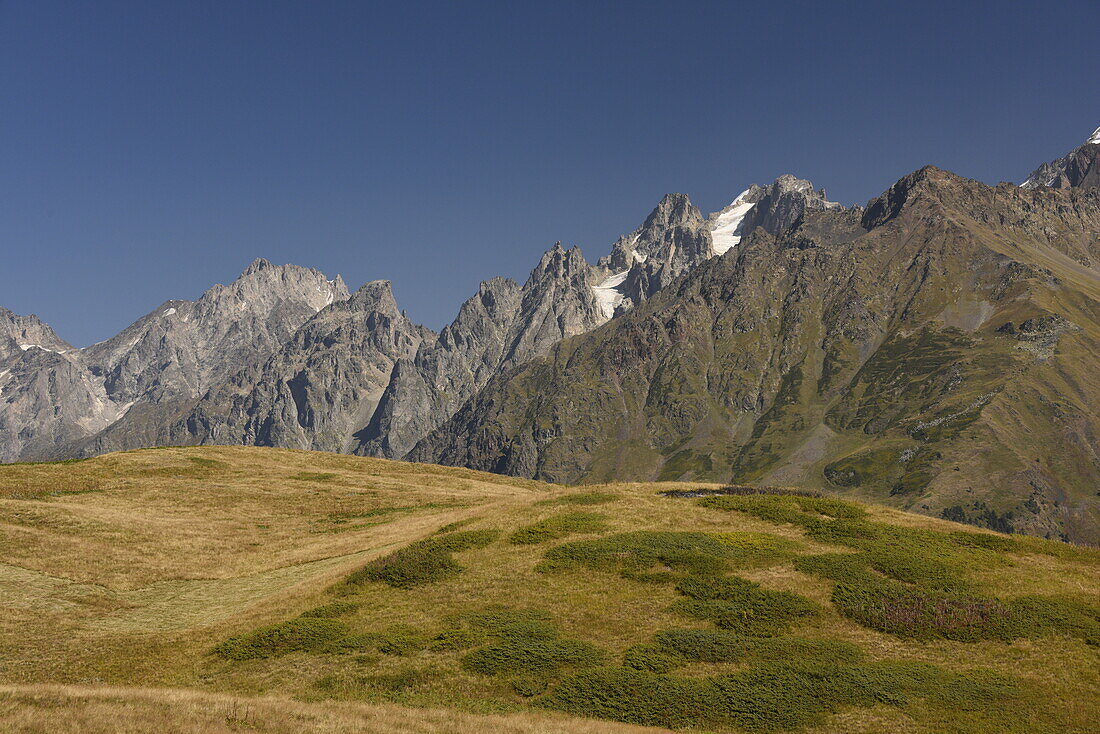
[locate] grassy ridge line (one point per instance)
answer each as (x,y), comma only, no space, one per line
(117,710)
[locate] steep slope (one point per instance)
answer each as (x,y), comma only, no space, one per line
(564,296)
(126,391)
(934,351)
(291,591)
(322,386)
(1080,168)
(47,397)
(183,348)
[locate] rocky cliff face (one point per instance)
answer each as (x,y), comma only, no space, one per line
(1079,169)
(47,398)
(932,351)
(123,392)
(183,348)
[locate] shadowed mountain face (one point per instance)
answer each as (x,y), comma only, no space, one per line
(1079,169)
(937,349)
(933,348)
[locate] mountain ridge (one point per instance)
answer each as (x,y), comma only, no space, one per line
(285,357)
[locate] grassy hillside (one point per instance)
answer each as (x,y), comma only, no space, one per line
(221,589)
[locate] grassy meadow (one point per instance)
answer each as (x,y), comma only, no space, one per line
(229,589)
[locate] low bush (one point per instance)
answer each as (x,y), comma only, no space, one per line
(424,561)
(654,658)
(724,646)
(303,634)
(499,621)
(558,526)
(768,696)
(743,606)
(927,608)
(538,655)
(525,641)
(401,640)
(530,685)
(912,582)
(331,610)
(456,639)
(581,498)
(672,554)
(786,508)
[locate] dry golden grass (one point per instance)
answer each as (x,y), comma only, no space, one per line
(119,574)
(108,710)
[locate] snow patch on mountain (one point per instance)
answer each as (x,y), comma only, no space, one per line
(725,231)
(607,293)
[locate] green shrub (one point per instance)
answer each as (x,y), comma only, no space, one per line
(424,561)
(769,696)
(558,526)
(786,508)
(746,607)
(638,553)
(581,498)
(499,621)
(331,610)
(401,640)
(525,641)
(527,655)
(724,646)
(654,658)
(303,634)
(530,685)
(456,639)
(633,696)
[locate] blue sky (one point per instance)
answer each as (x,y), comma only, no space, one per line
(152,149)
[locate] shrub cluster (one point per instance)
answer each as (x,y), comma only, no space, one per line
(768,696)
(912,582)
(302,634)
(558,526)
(648,555)
(724,646)
(524,641)
(737,604)
(331,610)
(424,561)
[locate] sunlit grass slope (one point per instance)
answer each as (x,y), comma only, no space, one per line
(221,588)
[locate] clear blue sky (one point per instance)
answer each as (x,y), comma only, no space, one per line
(151,149)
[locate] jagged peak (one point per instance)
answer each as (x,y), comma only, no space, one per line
(256,266)
(888,205)
(672,210)
(1094,139)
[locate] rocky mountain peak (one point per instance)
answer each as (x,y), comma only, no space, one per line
(1080,168)
(22,333)
(375,295)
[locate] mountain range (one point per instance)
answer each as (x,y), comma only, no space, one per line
(934,350)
